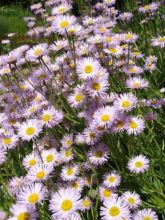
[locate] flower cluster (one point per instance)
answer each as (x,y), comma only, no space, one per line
(62,101)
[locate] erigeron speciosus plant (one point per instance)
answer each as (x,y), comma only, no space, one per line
(66,105)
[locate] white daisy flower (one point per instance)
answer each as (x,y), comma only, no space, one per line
(114,209)
(105,116)
(23,212)
(15,184)
(111,180)
(126,102)
(65,202)
(106,193)
(31,160)
(132,199)
(98,154)
(29,129)
(32,194)
(50,157)
(69,172)
(39,173)
(135,125)
(87,67)
(138,164)
(86,203)
(145,214)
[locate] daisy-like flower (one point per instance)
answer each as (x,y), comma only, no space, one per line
(50,157)
(98,155)
(9,141)
(67,141)
(65,202)
(23,212)
(135,125)
(51,117)
(78,184)
(37,51)
(145,214)
(77,98)
(136,83)
(97,86)
(58,45)
(15,185)
(115,51)
(138,164)
(2,155)
(126,102)
(129,37)
(132,199)
(62,23)
(61,9)
(109,2)
(114,209)
(111,179)
(39,172)
(31,160)
(86,203)
(87,67)
(69,172)
(106,193)
(105,116)
(29,129)
(32,194)
(66,155)
(159,41)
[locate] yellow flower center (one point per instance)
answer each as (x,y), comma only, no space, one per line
(92,135)
(40,174)
(31,110)
(147,7)
(7,141)
(138,164)
(88,69)
(96,86)
(86,203)
(161,39)
(132,70)
(108,39)
(136,85)
(61,10)
(79,97)
(133,125)
(23,216)
(33,198)
(146,218)
(49,158)
(112,179)
(46,117)
(113,50)
(98,154)
(128,36)
(131,200)
(105,118)
(114,211)
(68,142)
(64,24)
(69,171)
(30,131)
(106,193)
(66,205)
(38,52)
(67,153)
(136,53)
(126,104)
(32,162)
(103,29)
